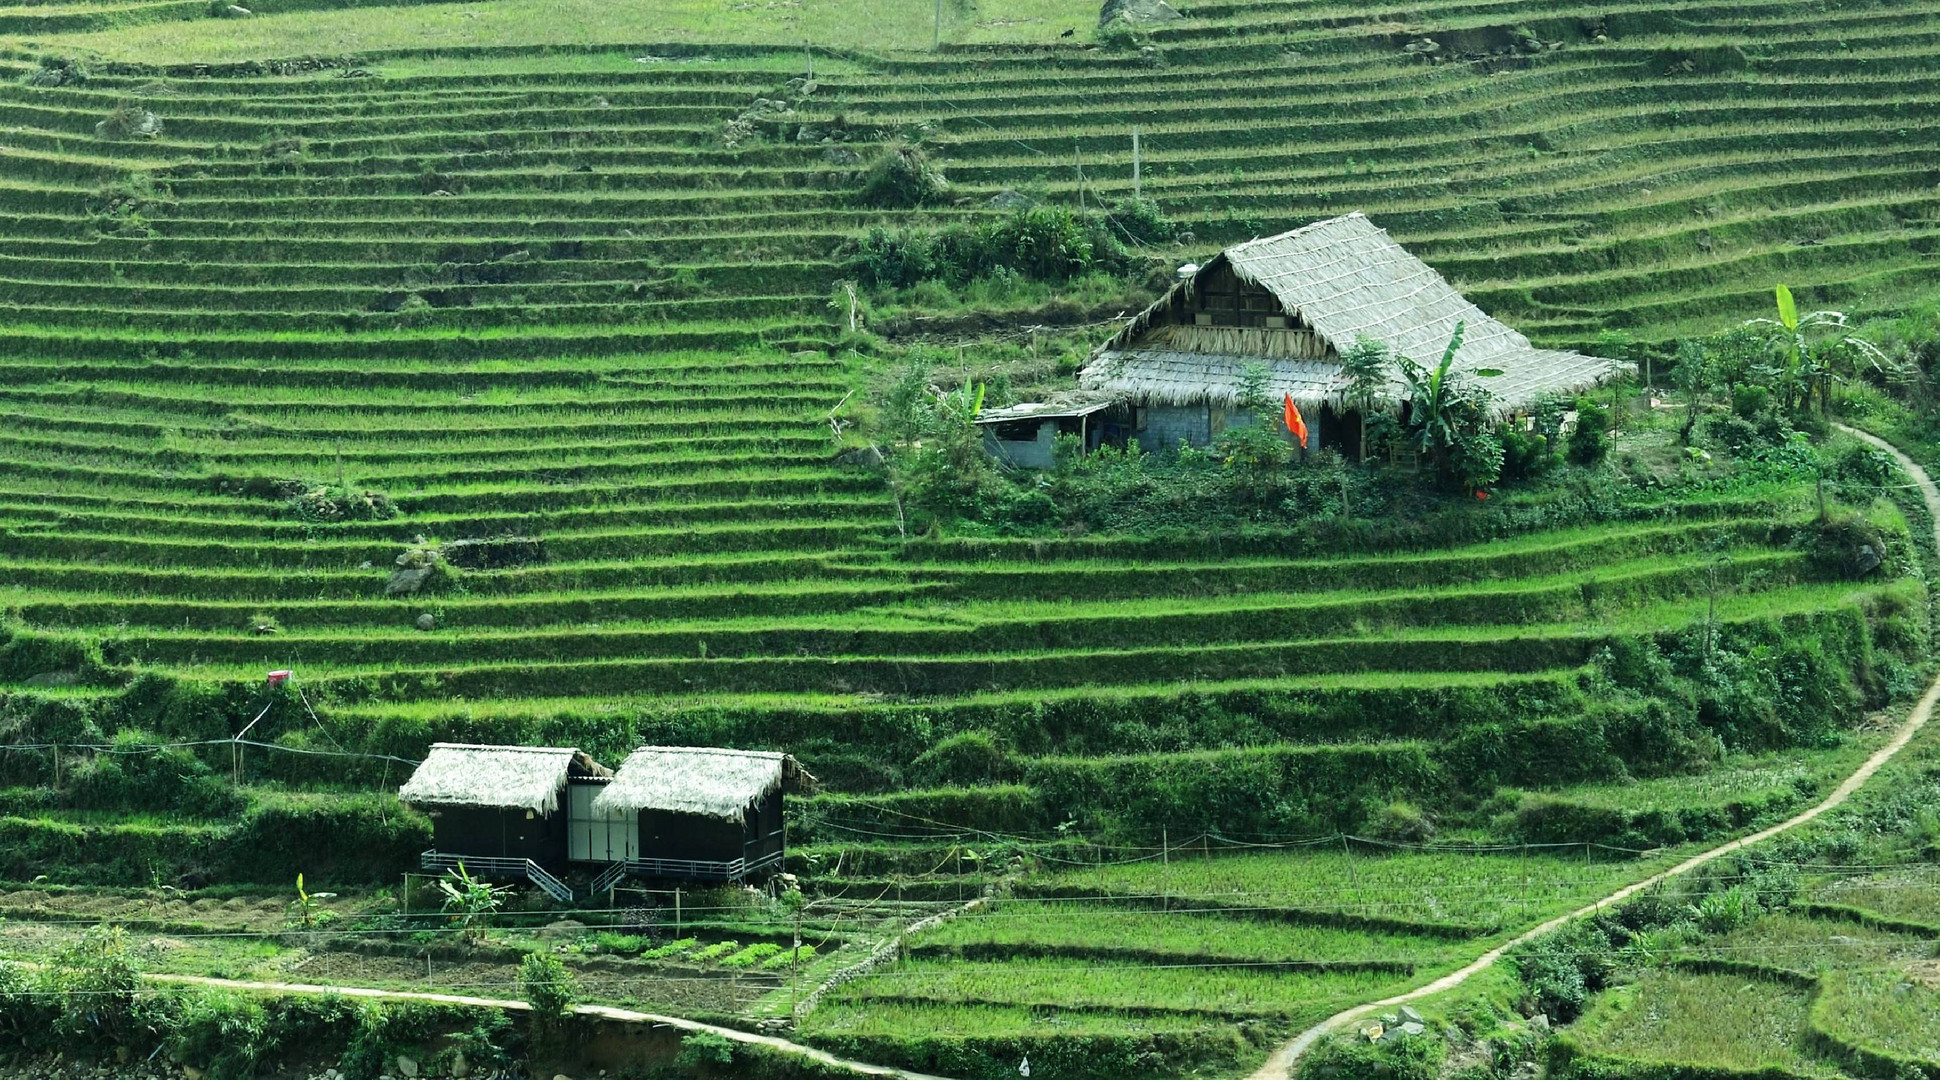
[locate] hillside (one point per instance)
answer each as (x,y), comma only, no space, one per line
(490,367)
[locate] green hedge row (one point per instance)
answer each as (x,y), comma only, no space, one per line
(362,841)
(1156,1055)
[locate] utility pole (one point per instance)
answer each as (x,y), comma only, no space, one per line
(936,40)
(1138,190)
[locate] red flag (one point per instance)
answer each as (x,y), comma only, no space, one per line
(1295,423)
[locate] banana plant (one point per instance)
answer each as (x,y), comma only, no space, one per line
(1812,351)
(1445,407)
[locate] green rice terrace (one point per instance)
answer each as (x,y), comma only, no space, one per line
(563,375)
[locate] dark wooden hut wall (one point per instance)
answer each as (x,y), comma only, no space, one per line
(498,833)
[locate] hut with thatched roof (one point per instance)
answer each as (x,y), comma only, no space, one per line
(702,813)
(1294,303)
(491,803)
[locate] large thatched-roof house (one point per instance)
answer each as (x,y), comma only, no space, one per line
(700,813)
(498,807)
(1294,303)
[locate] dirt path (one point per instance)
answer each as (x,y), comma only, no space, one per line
(1280,1065)
(603,1012)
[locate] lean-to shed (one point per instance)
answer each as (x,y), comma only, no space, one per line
(490,803)
(702,813)
(1294,303)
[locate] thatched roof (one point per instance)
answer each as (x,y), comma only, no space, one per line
(508,777)
(697,780)
(1345,278)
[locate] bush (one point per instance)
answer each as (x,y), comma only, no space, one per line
(99,981)
(139,776)
(1047,243)
(223,1034)
(902,178)
(1561,970)
(547,985)
(703,1050)
(1590,442)
(966,758)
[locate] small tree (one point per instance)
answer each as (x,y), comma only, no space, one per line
(98,980)
(1449,420)
(1696,377)
(551,990)
(1365,367)
(470,903)
(1810,352)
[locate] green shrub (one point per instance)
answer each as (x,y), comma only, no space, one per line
(704,1050)
(965,759)
(223,1034)
(1353,1058)
(139,776)
(1559,971)
(670,949)
(99,982)
(902,178)
(547,985)
(1590,442)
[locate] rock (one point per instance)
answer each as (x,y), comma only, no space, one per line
(460,1068)
(427,621)
(407,580)
(1410,1016)
(1867,561)
(841,155)
(1412,1029)
(1390,1019)
(1422,46)
(561,1076)
(1397,1033)
(1011,201)
(862,457)
(63,677)
(407,1066)
(192,1072)
(1539,1022)
(1138,11)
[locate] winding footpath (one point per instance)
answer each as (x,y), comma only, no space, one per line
(1280,1065)
(602,1012)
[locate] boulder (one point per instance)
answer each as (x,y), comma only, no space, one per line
(407,580)
(407,1066)
(1011,201)
(427,621)
(1410,1016)
(1138,11)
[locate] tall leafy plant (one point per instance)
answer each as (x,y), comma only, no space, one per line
(1449,418)
(1807,353)
(1364,367)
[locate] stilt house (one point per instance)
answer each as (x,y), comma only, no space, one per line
(500,809)
(698,813)
(1294,303)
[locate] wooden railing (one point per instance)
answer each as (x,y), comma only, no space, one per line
(494,866)
(699,869)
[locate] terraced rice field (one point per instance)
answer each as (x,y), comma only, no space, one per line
(1837,987)
(580,299)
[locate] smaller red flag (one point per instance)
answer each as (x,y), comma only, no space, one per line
(1295,423)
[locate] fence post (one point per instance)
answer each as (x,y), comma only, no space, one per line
(1165,876)
(676,911)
